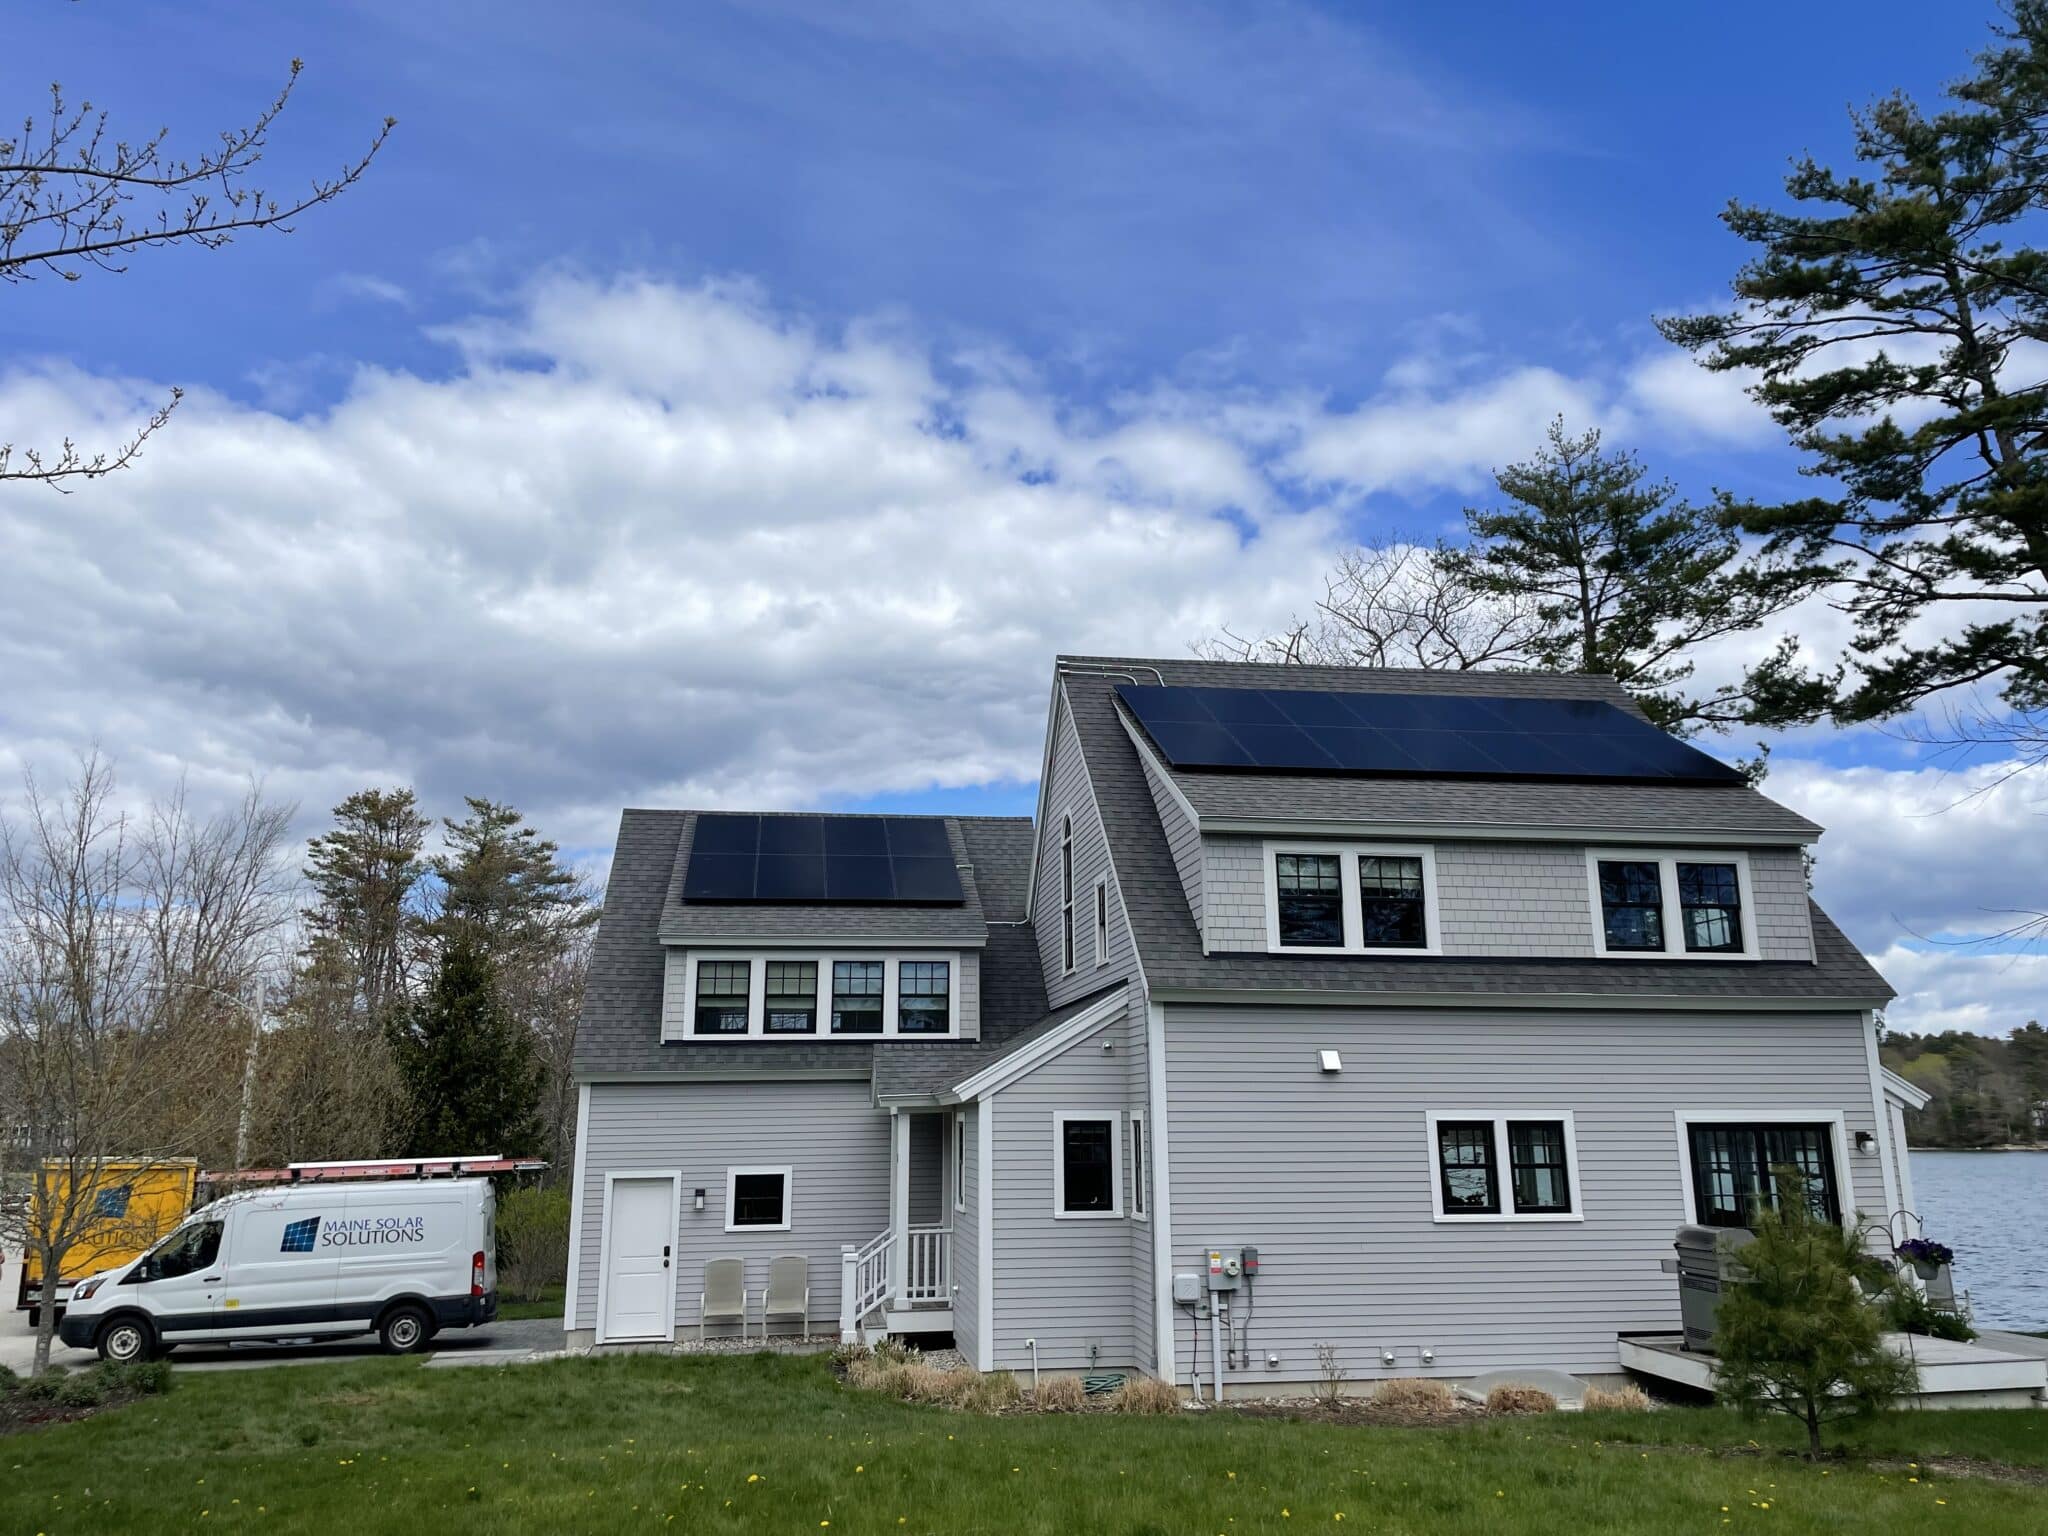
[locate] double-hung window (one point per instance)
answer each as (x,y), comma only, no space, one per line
(1102,921)
(1677,905)
(792,1007)
(924,992)
(1352,898)
(1141,1193)
(722,996)
(1735,1166)
(1503,1167)
(1066,893)
(1087,1163)
(857,997)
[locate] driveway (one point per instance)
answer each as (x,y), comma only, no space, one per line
(18,1344)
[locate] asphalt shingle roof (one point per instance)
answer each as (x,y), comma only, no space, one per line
(620,1032)
(1170,948)
(904,1071)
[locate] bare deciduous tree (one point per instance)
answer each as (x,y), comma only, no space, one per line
(120,949)
(74,197)
(1395,605)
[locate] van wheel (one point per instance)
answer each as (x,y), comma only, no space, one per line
(403,1330)
(126,1339)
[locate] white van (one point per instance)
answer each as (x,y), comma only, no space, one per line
(401,1259)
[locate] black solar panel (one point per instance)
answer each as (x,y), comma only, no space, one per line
(1423,735)
(895,859)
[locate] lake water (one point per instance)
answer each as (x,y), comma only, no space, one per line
(1992,1208)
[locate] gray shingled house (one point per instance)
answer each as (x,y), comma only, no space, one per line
(1450,994)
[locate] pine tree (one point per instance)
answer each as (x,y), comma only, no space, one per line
(366,875)
(503,888)
(467,1067)
(1799,1335)
(1626,578)
(1893,320)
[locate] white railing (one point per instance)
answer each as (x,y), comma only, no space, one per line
(928,1272)
(863,1282)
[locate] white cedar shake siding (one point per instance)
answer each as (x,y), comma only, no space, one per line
(675,981)
(966,1220)
(1499,898)
(1329,1176)
(1069,795)
(1067,1283)
(828,1133)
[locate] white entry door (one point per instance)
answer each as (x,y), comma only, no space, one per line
(639,1299)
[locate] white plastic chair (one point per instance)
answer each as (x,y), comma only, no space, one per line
(724,1297)
(788,1293)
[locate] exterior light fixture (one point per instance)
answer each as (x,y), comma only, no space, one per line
(1866,1142)
(699,1202)
(1332,1063)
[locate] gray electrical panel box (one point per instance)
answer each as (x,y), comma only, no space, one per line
(1225,1268)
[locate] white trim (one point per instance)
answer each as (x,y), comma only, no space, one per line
(1000,1074)
(1469,830)
(1165,1362)
(1060,1118)
(1347,855)
(1503,1166)
(1099,920)
(1141,1167)
(984,1234)
(570,1288)
(1041,819)
(892,962)
(956,1173)
(1882,1125)
(1173,789)
(1667,861)
(732,1178)
(1328,997)
(1772,1115)
(604,1247)
(1905,1090)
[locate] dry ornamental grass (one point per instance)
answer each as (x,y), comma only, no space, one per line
(1417,1395)
(1062,1394)
(1146,1395)
(1509,1398)
(1626,1399)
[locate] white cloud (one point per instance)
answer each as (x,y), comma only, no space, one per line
(1953,988)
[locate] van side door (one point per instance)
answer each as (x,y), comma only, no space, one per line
(179,1283)
(281,1267)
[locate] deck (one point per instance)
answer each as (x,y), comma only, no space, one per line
(1998,1371)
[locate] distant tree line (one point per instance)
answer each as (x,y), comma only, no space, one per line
(1983,1091)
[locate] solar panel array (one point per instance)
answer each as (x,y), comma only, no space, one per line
(1420,735)
(893,859)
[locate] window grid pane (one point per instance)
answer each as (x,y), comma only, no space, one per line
(924,997)
(1085,1155)
(856,997)
(1734,1170)
(1710,908)
(792,1007)
(1537,1171)
(722,987)
(1310,891)
(1465,1155)
(1632,904)
(1390,903)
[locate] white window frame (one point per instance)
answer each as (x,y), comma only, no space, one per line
(757,1012)
(1101,915)
(1348,855)
(1141,1168)
(732,1184)
(1667,861)
(959,1159)
(1838,1142)
(1503,1167)
(1060,1118)
(1069,945)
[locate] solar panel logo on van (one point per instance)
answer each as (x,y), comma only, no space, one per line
(299,1235)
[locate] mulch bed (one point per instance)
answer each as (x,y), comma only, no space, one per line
(1358,1410)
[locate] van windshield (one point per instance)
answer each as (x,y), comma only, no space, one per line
(185,1250)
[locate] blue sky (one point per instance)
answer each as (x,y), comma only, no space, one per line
(542,463)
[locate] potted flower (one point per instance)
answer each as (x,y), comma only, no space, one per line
(1927,1257)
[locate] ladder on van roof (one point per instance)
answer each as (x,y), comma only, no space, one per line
(379,1168)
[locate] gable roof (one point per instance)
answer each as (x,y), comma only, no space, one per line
(620,1032)
(1170,947)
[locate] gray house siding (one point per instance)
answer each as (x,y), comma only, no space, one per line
(927,1170)
(1067,1283)
(1068,795)
(967,1243)
(1501,898)
(1137,1090)
(1183,837)
(676,980)
(1330,1176)
(828,1133)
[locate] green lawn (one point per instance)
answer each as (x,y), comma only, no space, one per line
(549,1304)
(771,1443)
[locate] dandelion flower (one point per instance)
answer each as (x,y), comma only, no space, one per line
(753,1477)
